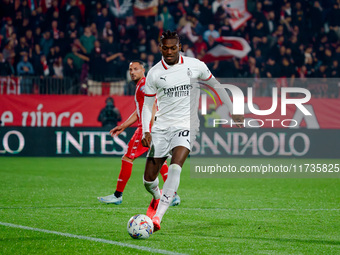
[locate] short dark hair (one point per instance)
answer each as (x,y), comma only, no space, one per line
(138,61)
(169,35)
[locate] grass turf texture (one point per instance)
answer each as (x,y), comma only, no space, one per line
(216,216)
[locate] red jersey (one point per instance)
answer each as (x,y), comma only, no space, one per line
(139,99)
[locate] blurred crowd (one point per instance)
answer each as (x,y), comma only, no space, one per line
(84,39)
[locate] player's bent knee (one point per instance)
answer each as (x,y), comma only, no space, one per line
(174,169)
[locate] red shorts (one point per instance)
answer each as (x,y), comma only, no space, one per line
(135,147)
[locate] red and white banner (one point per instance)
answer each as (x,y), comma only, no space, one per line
(229,47)
(58,111)
(9,85)
(83,111)
(237,10)
(145,8)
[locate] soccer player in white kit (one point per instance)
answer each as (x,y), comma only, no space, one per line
(170,80)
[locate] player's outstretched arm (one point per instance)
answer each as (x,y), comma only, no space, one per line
(119,129)
(238,119)
(146,119)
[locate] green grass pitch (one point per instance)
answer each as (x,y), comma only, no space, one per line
(216,216)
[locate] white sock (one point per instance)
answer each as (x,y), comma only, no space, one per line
(152,187)
(169,189)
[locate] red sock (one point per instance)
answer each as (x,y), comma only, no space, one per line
(164,171)
(124,175)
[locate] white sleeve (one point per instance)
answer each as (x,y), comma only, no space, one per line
(149,98)
(205,73)
(221,92)
(207,77)
(147,113)
(150,88)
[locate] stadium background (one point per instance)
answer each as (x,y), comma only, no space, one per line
(60,60)
(82,49)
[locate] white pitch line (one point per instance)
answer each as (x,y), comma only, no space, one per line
(99,240)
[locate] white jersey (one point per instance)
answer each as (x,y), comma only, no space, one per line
(175,90)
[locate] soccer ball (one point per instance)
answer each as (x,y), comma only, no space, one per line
(140,226)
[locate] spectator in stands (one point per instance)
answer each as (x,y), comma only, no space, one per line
(50,14)
(200,47)
(107,31)
(94,30)
(70,10)
(62,44)
(210,32)
(226,29)
(219,17)
(179,12)
(87,40)
(150,62)
(37,35)
(155,51)
(25,68)
(109,116)
(6,68)
(58,69)
(115,58)
(187,51)
(286,69)
(29,38)
(7,27)
(71,72)
(97,60)
(55,30)
(271,71)
(317,20)
(9,52)
(34,55)
(46,42)
(196,11)
(167,19)
(335,69)
(52,56)
(77,60)
(22,48)
(72,31)
(206,15)
(101,18)
(7,9)
(44,69)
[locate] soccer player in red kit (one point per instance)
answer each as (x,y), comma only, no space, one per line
(135,147)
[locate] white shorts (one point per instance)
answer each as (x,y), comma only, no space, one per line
(163,141)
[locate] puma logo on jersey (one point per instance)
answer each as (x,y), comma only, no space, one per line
(163,78)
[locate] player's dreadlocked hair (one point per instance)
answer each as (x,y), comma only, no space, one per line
(169,35)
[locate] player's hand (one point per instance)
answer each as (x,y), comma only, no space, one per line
(146,141)
(116,131)
(238,119)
